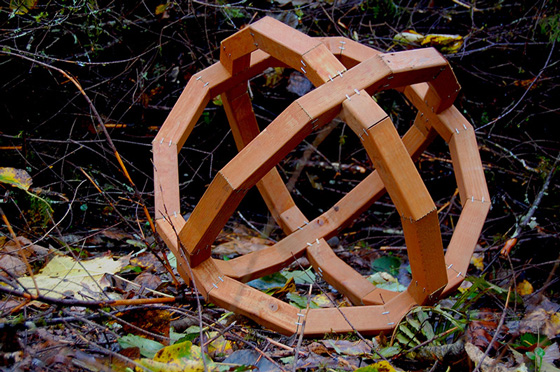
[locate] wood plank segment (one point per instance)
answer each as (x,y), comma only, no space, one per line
(425,253)
(235,51)
(389,155)
(209,217)
(169,229)
(232,295)
(348,51)
(185,113)
(244,127)
(166,180)
(340,275)
(468,166)
(341,214)
(369,320)
(268,148)
(282,42)
(463,242)
(320,66)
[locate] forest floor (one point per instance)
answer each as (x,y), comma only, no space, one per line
(87,285)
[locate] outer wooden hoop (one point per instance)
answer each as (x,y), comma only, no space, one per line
(430,85)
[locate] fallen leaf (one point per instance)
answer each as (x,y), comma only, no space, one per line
(490,364)
(22,6)
(348,347)
(148,280)
(13,264)
(63,276)
(240,246)
(148,348)
(180,357)
(477,260)
(250,360)
(382,366)
(16,177)
(524,288)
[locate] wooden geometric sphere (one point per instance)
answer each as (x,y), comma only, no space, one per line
(346,75)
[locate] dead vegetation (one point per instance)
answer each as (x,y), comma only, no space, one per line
(87,285)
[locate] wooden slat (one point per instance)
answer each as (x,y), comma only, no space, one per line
(425,253)
(368,320)
(468,166)
(209,217)
(235,51)
(282,42)
(168,229)
(166,180)
(463,242)
(339,274)
(185,113)
(268,148)
(389,155)
(320,65)
(232,295)
(245,128)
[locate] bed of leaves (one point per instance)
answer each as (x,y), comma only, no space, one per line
(85,283)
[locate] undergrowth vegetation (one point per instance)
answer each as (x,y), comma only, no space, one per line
(86,85)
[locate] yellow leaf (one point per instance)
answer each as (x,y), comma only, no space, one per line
(16,177)
(63,276)
(409,37)
(382,366)
(161,8)
(446,43)
(524,288)
(180,357)
(477,260)
(22,6)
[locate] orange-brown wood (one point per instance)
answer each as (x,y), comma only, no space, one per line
(345,73)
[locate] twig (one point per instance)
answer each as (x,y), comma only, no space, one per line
(19,249)
(302,329)
(510,243)
(497,331)
(82,303)
(524,93)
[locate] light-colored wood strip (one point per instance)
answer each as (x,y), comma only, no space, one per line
(268,148)
(282,42)
(245,128)
(166,180)
(168,229)
(389,155)
(185,113)
(232,295)
(425,253)
(463,242)
(320,65)
(468,166)
(368,320)
(339,274)
(235,51)
(209,217)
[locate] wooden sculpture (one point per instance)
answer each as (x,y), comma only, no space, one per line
(345,74)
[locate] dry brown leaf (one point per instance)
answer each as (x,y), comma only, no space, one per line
(148,280)
(241,246)
(13,264)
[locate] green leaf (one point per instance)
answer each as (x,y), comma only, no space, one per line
(148,348)
(388,264)
(300,301)
(300,277)
(268,282)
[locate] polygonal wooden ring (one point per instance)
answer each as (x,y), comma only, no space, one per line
(346,74)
